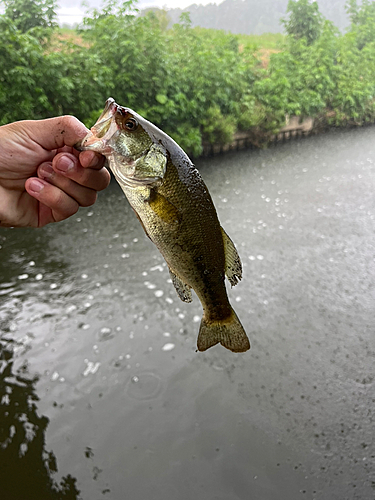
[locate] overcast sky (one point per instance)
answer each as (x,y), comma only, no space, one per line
(70,13)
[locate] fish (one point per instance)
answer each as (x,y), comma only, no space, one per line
(176,211)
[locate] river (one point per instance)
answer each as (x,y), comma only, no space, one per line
(102,392)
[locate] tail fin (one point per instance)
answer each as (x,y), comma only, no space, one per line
(230,333)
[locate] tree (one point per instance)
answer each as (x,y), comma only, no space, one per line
(160,15)
(304,21)
(28,14)
(362,19)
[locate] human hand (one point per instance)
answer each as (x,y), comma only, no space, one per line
(43,178)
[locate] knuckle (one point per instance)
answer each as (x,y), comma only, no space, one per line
(64,204)
(60,200)
(89,199)
(105,179)
(70,121)
(68,211)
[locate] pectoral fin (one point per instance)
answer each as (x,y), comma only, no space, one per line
(183,290)
(163,208)
(233,266)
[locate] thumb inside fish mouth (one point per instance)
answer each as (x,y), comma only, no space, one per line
(78,145)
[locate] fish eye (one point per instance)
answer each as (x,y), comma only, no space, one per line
(131,124)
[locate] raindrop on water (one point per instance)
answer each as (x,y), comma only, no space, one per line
(149,285)
(144,386)
(168,347)
(91,367)
(157,268)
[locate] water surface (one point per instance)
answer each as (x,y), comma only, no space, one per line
(102,394)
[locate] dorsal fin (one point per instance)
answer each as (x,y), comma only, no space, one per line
(233,266)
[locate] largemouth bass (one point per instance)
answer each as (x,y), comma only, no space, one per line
(176,211)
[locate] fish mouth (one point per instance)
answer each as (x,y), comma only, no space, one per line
(103,130)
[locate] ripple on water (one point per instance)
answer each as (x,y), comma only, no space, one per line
(144,386)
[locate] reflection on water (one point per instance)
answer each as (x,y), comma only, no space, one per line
(26,468)
(98,360)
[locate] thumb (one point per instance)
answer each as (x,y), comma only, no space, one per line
(54,133)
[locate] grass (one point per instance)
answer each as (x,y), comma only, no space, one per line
(63,36)
(273,41)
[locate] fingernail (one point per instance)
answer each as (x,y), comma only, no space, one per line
(64,164)
(46,171)
(36,186)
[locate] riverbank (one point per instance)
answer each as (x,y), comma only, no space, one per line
(295,128)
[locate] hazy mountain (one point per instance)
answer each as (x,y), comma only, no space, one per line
(253,16)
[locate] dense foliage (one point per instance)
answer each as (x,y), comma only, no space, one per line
(199,85)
